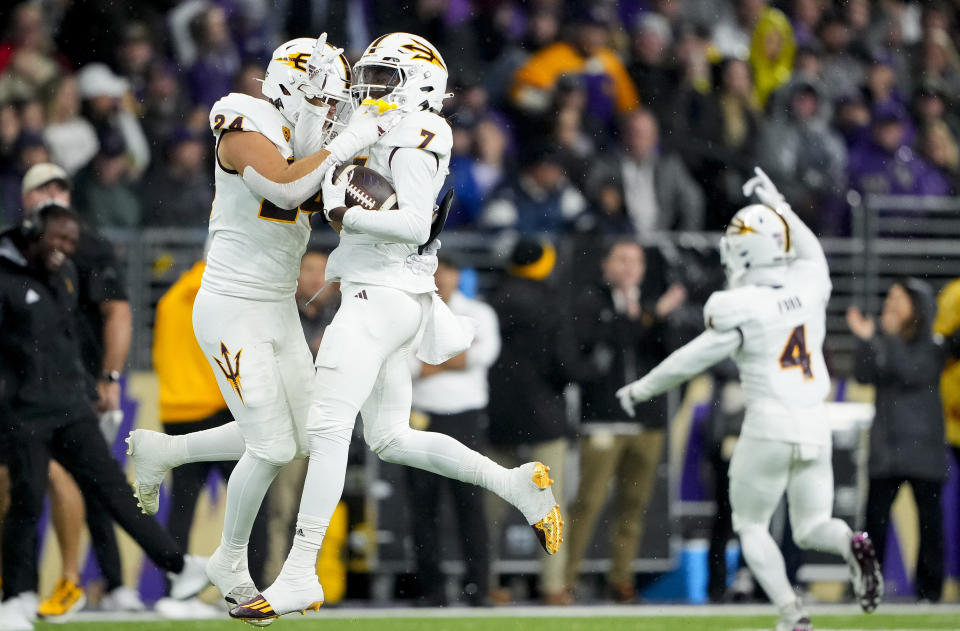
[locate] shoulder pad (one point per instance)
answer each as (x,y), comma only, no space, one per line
(241,112)
(421,130)
(726,310)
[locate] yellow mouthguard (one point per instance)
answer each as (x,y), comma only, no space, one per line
(382,106)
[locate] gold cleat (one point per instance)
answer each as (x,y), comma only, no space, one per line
(314,607)
(541,475)
(549,530)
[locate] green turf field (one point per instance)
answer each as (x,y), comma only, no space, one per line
(888,622)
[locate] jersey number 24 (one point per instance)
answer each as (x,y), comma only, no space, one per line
(795,353)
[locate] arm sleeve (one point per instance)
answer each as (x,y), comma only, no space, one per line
(413,172)
(308,134)
(486,345)
(805,244)
(290,194)
(689,360)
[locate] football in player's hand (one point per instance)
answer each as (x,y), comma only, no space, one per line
(366,188)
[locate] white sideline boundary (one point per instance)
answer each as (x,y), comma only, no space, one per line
(349,611)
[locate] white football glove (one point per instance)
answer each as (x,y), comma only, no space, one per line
(334,193)
(366,126)
(629,397)
(317,66)
(765,190)
(425,264)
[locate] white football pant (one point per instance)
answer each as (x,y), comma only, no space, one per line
(362,367)
(760,472)
(263,366)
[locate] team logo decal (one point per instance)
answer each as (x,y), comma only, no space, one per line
(297,62)
(286,132)
(423,52)
(231,370)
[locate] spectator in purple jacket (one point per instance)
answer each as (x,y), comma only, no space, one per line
(887,165)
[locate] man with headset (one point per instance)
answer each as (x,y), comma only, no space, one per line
(47,410)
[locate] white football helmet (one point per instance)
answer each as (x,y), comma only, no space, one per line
(402,69)
(286,85)
(756,246)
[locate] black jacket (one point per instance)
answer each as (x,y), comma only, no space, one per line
(538,358)
(906,438)
(620,350)
(41,371)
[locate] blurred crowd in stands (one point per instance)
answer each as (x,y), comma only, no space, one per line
(610,116)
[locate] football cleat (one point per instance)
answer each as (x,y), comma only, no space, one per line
(259,612)
(865,572)
(794,619)
(256,611)
(67,599)
(231,577)
(152,457)
(535,500)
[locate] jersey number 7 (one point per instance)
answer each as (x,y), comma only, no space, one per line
(795,353)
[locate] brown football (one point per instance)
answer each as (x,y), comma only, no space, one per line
(366,188)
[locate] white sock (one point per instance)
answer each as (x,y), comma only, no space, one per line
(245,490)
(831,536)
(322,489)
(307,541)
(213,445)
(766,562)
(446,456)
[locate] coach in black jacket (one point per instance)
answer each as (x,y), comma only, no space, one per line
(46,406)
(621,333)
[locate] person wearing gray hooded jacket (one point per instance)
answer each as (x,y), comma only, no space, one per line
(904,360)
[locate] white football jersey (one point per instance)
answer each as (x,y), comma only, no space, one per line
(255,247)
(784,376)
(362,258)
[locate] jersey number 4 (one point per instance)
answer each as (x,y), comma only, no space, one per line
(795,353)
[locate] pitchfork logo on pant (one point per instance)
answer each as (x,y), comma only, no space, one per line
(230,370)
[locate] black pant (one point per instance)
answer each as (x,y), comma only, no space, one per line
(73,438)
(930,559)
(471,525)
(188,481)
(103,538)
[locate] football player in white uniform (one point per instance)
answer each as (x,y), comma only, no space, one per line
(362,360)
(772,321)
(268,170)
